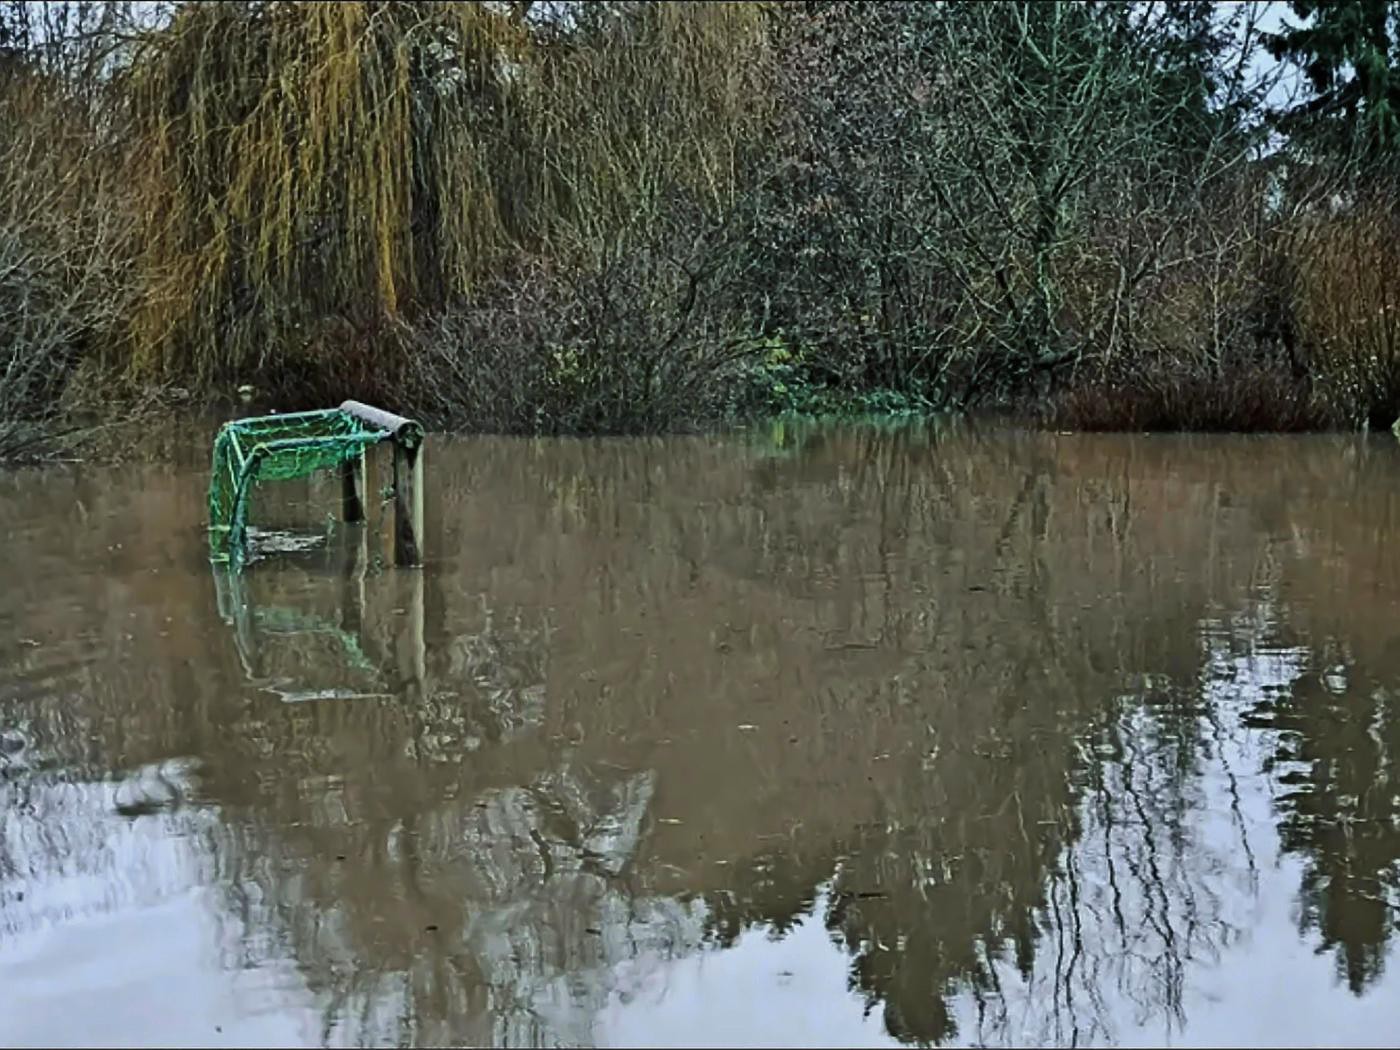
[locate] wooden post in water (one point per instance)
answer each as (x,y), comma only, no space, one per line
(352,487)
(408,504)
(417,622)
(352,613)
(407,439)
(410,647)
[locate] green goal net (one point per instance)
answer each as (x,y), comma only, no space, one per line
(248,452)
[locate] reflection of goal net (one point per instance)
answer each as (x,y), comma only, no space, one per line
(250,452)
(302,655)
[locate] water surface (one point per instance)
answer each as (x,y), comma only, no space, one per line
(827,736)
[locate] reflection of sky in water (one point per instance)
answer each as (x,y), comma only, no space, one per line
(148,976)
(128,911)
(762,991)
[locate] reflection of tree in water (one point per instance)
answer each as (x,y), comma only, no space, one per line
(505,663)
(509,919)
(1041,857)
(336,833)
(1062,826)
(1089,885)
(1339,807)
(496,904)
(1005,741)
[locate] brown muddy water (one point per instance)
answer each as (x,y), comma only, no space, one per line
(839,736)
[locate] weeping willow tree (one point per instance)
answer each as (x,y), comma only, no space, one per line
(642,103)
(318,174)
(310,166)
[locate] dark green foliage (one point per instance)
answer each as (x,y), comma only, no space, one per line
(1350,52)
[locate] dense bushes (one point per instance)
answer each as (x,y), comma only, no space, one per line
(626,217)
(639,341)
(65,281)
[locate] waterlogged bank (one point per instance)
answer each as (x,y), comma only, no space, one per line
(834,735)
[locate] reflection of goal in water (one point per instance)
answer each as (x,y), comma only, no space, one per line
(349,648)
(248,452)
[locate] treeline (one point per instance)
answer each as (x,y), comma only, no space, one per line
(626,217)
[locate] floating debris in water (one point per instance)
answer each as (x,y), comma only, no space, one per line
(265,542)
(304,695)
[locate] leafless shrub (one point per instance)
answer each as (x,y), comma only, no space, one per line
(642,341)
(64,275)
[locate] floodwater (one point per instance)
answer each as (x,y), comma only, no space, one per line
(830,736)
